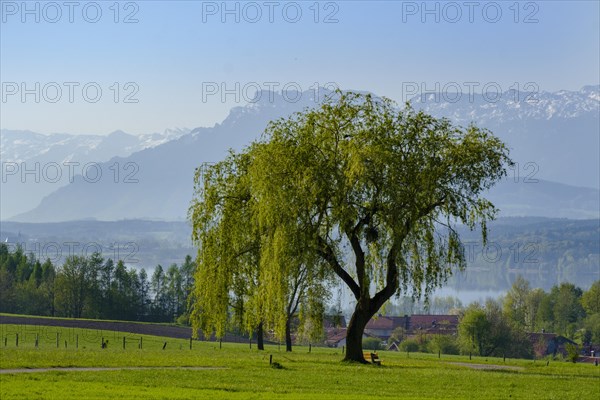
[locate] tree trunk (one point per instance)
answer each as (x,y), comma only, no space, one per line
(354,333)
(259,337)
(288,334)
(366,306)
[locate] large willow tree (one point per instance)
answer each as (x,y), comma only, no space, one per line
(361,177)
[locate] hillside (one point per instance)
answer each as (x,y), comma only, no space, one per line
(546,252)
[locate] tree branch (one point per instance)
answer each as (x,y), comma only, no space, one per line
(360,260)
(327,254)
(291,309)
(250,248)
(391,281)
(392,268)
(353,237)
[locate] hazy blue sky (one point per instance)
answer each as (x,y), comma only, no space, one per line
(179,51)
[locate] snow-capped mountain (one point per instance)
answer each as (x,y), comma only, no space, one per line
(512,105)
(21,146)
(553,136)
(34,165)
(555,142)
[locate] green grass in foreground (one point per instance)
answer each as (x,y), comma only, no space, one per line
(247,374)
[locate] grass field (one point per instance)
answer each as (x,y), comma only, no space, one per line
(245,373)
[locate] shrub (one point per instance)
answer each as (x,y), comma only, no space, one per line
(444,344)
(398,335)
(371,344)
(572,352)
(183,319)
(276,365)
(409,345)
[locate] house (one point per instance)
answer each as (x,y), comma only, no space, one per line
(393,347)
(545,344)
(382,327)
(335,330)
(336,338)
(433,324)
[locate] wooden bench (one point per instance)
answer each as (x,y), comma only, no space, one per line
(372,357)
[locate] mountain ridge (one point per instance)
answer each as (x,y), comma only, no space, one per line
(563,151)
(58,154)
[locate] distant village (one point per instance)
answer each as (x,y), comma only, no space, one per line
(419,326)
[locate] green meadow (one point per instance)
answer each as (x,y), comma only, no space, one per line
(236,371)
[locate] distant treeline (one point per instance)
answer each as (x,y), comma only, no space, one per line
(93,287)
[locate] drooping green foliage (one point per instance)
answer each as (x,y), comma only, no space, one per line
(236,283)
(228,247)
(383,178)
(356,174)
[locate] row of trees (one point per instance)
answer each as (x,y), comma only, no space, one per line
(93,287)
